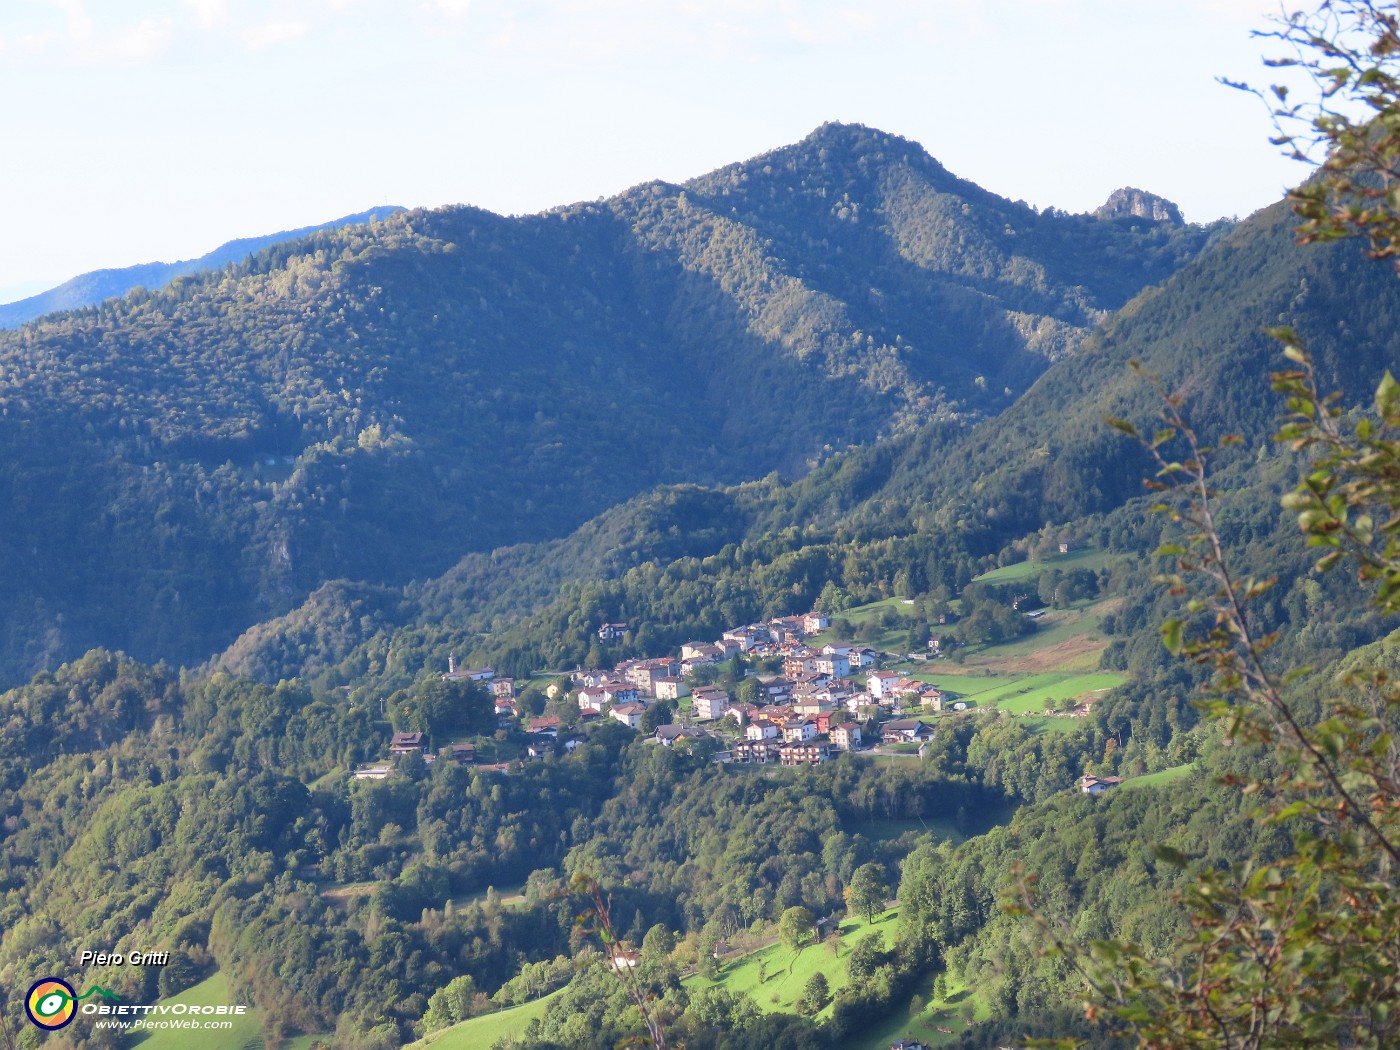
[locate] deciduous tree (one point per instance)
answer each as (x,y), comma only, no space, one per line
(868,891)
(795,928)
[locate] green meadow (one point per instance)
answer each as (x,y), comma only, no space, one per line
(1034,694)
(784,973)
(940,1023)
(941,828)
(480,1032)
(1084,558)
(968,687)
(1162,776)
(245,1032)
(889,638)
(509,896)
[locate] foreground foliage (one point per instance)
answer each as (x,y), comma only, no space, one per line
(1302,949)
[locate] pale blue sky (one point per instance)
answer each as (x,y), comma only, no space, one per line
(137,131)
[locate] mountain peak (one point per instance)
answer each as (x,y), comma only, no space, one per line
(1132,202)
(862,140)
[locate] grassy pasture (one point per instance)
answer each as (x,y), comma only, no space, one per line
(481,1032)
(785,973)
(1084,558)
(1031,695)
(889,639)
(508,896)
(785,976)
(246,1033)
(1162,776)
(950,1013)
(888,830)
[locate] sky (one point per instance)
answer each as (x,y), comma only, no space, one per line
(145,130)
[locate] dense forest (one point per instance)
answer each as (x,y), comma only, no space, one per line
(210,816)
(89,289)
(373,402)
(922,512)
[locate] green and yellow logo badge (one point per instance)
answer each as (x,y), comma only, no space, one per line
(51,1003)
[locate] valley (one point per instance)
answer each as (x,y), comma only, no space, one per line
(721,604)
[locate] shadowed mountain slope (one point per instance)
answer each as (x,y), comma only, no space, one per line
(925,506)
(372,402)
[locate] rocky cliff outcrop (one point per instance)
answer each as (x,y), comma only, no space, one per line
(1134,202)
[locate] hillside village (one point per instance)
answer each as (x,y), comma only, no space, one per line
(791,702)
(817,705)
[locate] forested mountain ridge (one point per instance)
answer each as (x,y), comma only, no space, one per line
(923,508)
(371,403)
(88,289)
(905,279)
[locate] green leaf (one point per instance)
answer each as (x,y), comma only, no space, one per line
(1327,561)
(1386,393)
(1171,636)
(1167,855)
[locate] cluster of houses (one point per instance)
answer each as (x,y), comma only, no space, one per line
(816,707)
(409,743)
(811,710)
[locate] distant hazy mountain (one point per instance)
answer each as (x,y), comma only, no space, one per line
(90,288)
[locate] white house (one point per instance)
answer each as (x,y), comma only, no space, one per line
(906,730)
(592,698)
(746,637)
(799,732)
(835,664)
(669,688)
(617,692)
(1092,785)
(591,676)
(760,729)
(863,657)
(856,701)
(710,703)
(877,682)
(629,715)
(668,735)
(701,652)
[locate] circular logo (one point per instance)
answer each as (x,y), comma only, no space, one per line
(51,1003)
